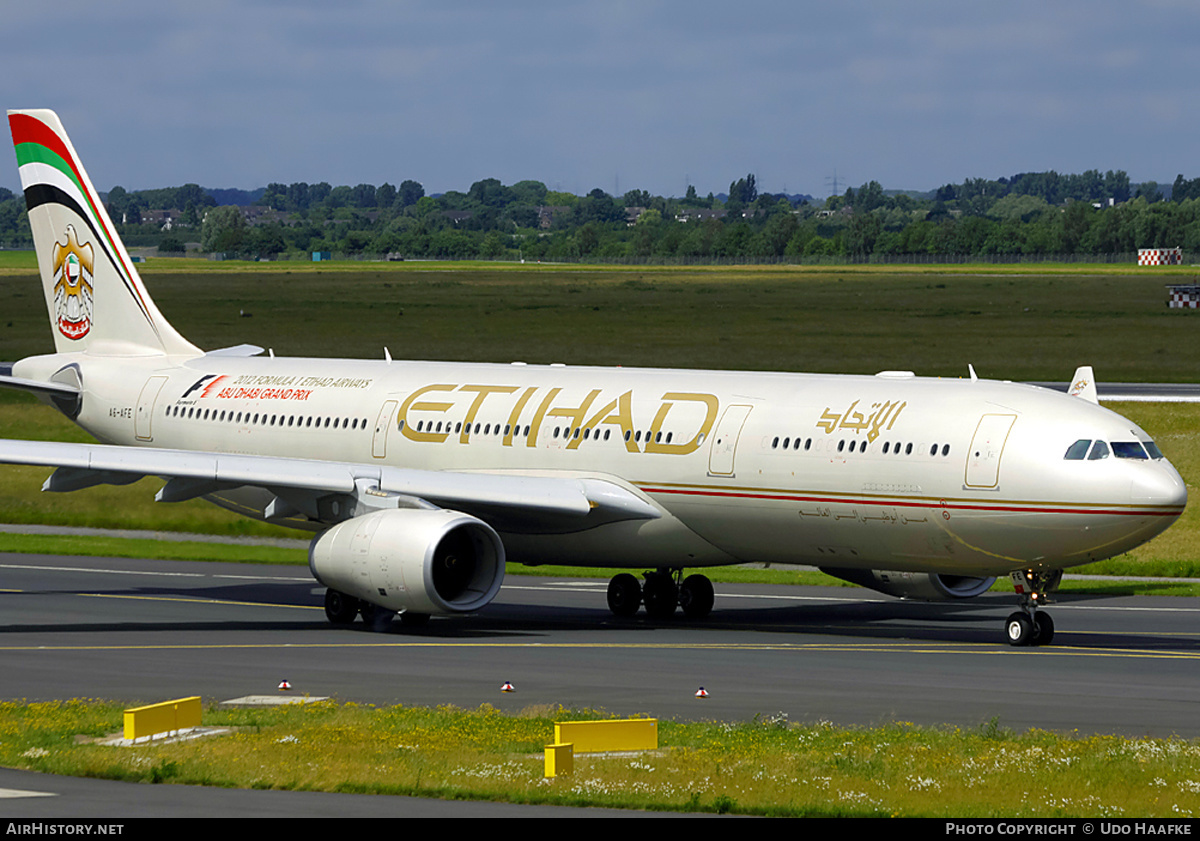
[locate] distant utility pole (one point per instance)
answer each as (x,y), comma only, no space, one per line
(834,182)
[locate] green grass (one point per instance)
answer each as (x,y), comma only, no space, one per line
(18,261)
(767,766)
(165,550)
(1009,324)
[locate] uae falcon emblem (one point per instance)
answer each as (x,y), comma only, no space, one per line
(73,265)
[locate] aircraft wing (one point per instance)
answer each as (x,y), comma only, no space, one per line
(300,485)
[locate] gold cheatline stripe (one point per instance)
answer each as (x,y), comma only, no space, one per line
(856,496)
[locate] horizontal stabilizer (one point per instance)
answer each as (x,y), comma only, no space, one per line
(39,387)
(236,350)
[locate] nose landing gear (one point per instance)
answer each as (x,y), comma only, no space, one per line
(1027,626)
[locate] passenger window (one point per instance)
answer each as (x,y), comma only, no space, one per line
(1099,451)
(1078,450)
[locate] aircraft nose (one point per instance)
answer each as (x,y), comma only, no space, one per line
(1161,486)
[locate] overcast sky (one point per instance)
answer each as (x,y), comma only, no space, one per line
(619,95)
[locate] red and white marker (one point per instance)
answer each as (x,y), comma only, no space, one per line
(701,693)
(284,686)
(507,687)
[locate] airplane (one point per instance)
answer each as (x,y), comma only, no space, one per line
(421,478)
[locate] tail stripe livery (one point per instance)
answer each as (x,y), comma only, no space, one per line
(50,175)
(58,193)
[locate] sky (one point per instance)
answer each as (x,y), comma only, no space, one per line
(652,94)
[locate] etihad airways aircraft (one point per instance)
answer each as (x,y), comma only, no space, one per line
(422,478)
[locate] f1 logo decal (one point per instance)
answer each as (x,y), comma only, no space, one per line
(199,383)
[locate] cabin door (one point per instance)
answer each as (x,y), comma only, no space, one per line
(725,440)
(145,408)
(983,459)
(379,442)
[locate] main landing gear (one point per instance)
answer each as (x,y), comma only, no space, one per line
(663,591)
(341,609)
(1027,626)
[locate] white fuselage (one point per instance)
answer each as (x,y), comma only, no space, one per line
(893,472)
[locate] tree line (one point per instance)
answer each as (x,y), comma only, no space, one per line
(1026,214)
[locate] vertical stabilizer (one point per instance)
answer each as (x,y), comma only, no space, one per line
(1083,384)
(96,299)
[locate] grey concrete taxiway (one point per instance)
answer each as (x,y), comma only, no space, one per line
(147,630)
(137,630)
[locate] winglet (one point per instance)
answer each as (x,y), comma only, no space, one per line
(1083,384)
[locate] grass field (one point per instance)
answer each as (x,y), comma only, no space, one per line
(767,766)
(1010,323)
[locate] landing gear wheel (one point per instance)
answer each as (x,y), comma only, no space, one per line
(660,595)
(340,609)
(696,596)
(1043,629)
(1034,590)
(624,595)
(1019,629)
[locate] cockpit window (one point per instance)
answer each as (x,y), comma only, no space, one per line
(1095,450)
(1078,450)
(1129,449)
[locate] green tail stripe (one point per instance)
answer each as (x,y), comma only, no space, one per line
(31,153)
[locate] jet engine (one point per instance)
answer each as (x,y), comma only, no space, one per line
(930,587)
(423,561)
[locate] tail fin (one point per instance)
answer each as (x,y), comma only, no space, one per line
(1083,384)
(96,299)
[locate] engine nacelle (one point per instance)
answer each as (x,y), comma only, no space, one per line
(420,560)
(930,587)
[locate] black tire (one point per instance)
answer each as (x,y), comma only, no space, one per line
(340,609)
(1018,629)
(624,595)
(1043,629)
(660,595)
(696,596)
